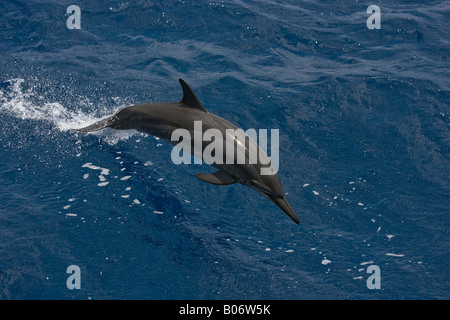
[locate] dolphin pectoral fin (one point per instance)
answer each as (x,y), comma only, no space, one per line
(97,126)
(219,178)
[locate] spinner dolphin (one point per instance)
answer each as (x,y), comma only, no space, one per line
(162,118)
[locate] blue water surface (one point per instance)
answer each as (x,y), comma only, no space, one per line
(363,116)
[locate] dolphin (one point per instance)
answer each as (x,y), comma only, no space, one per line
(162,118)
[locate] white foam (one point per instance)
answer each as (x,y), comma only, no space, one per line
(104,171)
(71,214)
(19,103)
(26,104)
(395,255)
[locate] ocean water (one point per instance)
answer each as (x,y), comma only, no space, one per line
(364,121)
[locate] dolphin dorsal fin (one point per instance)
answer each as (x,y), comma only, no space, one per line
(189,97)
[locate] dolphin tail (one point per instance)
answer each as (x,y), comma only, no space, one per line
(105,123)
(284,205)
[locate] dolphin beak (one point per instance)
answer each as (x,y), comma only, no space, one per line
(284,205)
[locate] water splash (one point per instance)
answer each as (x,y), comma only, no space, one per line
(27,104)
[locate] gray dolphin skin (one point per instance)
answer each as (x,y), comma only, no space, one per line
(162,118)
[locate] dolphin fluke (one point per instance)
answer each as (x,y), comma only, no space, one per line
(108,122)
